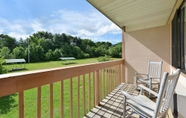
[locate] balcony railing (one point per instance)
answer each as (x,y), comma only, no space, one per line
(92,83)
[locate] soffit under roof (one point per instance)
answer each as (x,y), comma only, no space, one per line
(137,14)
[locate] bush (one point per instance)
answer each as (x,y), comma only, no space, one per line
(104,58)
(86,55)
(2,69)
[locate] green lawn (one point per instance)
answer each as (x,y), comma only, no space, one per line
(52,64)
(9,104)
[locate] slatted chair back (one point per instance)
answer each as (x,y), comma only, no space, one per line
(166,92)
(155,69)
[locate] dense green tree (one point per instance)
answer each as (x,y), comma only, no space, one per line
(57,54)
(116,51)
(44,46)
(19,52)
(77,52)
(88,47)
(36,53)
(64,40)
(42,34)
(7,41)
(49,44)
(101,51)
(5,52)
(57,41)
(22,43)
(49,55)
(67,50)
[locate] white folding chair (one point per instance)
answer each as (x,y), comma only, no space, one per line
(147,108)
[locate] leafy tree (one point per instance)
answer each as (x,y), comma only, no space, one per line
(49,55)
(77,52)
(57,41)
(22,43)
(57,54)
(42,34)
(116,51)
(36,53)
(42,43)
(47,46)
(64,40)
(67,50)
(40,53)
(90,50)
(7,41)
(19,52)
(88,47)
(5,52)
(101,51)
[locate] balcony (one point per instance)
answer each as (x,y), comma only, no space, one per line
(91,90)
(81,88)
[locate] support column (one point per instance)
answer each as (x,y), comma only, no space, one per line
(123,79)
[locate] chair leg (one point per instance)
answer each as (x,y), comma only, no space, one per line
(136,83)
(124,107)
(150,87)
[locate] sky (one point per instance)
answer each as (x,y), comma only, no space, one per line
(22,18)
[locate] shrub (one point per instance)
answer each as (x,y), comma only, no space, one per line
(86,55)
(104,58)
(2,68)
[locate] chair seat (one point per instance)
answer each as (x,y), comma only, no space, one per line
(154,81)
(143,105)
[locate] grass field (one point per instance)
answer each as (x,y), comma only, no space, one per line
(9,104)
(51,64)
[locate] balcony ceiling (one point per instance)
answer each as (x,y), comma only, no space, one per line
(137,14)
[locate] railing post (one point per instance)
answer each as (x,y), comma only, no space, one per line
(62,98)
(21,104)
(39,102)
(71,99)
(97,88)
(51,101)
(84,100)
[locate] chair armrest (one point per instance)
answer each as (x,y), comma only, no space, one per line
(149,90)
(127,95)
(137,74)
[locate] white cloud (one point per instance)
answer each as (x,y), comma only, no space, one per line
(17,29)
(18,35)
(37,25)
(91,25)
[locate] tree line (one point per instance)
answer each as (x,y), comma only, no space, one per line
(45,46)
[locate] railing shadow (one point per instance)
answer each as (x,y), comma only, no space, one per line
(7,102)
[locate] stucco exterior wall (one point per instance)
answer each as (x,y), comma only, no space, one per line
(143,45)
(185,41)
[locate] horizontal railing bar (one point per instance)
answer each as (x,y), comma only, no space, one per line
(16,82)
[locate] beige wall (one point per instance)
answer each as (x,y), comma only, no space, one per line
(143,45)
(185,37)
